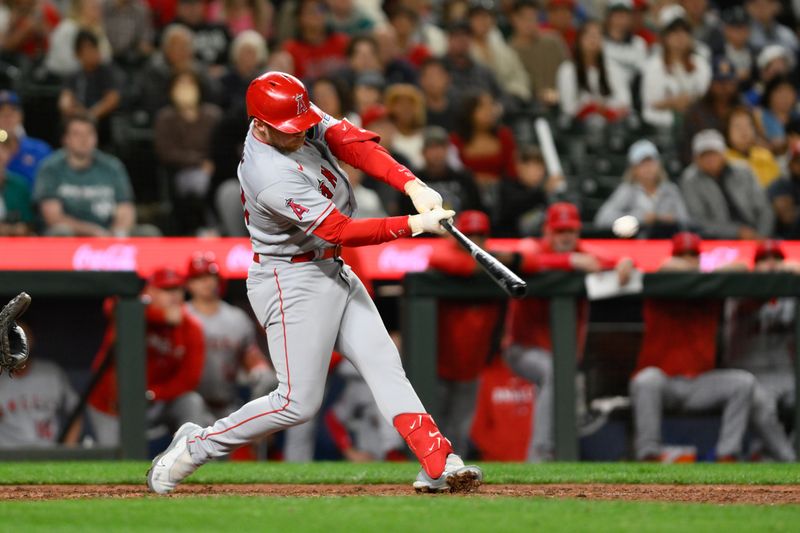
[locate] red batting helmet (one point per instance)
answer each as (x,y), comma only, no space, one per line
(685,242)
(770,248)
(281,100)
(165,278)
(563,216)
(472,222)
(205,264)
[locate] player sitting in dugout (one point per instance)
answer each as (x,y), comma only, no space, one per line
(467,332)
(175,355)
(529,346)
(759,338)
(676,368)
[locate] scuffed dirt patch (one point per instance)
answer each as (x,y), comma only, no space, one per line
(717,494)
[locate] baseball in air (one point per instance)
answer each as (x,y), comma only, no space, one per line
(625,227)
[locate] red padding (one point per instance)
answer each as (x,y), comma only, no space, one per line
(423,437)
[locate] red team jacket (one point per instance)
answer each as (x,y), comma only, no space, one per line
(529,318)
(175,357)
(680,336)
(465,328)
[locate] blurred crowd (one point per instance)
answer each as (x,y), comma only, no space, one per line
(126,117)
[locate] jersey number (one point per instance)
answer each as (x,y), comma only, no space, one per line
(331,177)
(246,212)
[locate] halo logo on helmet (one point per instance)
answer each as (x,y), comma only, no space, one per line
(281,101)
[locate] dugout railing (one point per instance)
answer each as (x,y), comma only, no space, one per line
(129,351)
(419,325)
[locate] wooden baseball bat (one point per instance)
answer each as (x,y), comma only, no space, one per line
(501,274)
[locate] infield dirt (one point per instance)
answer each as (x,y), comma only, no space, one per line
(719,494)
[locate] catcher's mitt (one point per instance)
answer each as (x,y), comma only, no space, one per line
(13,342)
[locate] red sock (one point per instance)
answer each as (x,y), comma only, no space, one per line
(423,437)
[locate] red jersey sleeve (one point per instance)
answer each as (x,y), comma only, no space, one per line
(190,334)
(341,229)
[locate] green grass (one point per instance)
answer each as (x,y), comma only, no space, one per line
(129,472)
(388,514)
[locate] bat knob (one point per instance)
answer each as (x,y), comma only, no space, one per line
(518,290)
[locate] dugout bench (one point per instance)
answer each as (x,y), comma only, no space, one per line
(419,327)
(129,350)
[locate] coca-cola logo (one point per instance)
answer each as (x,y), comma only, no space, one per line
(394,258)
(718,257)
(113,257)
(239,259)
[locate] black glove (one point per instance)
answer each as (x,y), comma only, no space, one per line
(13,342)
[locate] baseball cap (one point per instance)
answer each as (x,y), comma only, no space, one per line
(771,53)
(166,278)
(371,79)
(620,5)
(735,16)
(435,135)
(708,141)
(9,98)
(373,114)
(685,242)
(641,150)
(563,215)
(473,222)
(769,248)
(670,17)
(723,69)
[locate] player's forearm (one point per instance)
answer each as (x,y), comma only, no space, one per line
(340,229)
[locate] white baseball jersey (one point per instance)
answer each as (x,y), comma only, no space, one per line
(228,333)
(31,405)
(281,210)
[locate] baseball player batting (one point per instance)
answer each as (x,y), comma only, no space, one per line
(298,205)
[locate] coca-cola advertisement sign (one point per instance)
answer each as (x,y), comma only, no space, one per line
(114,257)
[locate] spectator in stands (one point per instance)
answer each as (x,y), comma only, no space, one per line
(434,80)
(129,27)
(16,215)
(774,61)
(368,91)
(30,23)
(83,15)
(759,338)
(347,17)
(743,146)
(82,191)
(175,357)
(522,202)
(363,57)
(490,49)
(778,109)
(713,109)
(316,51)
(30,151)
(484,146)
(561,18)
(529,352)
(368,201)
(647,194)
(621,46)
(175,57)
(765,29)
(406,107)
(540,51)
(376,118)
(396,68)
(705,24)
(211,40)
(736,46)
(94,89)
(590,86)
(465,74)
(641,27)
(674,77)
(468,332)
(330,95)
(784,195)
(724,199)
(428,26)
(456,186)
(411,48)
(676,368)
(243,15)
(33,406)
(182,138)
(248,59)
